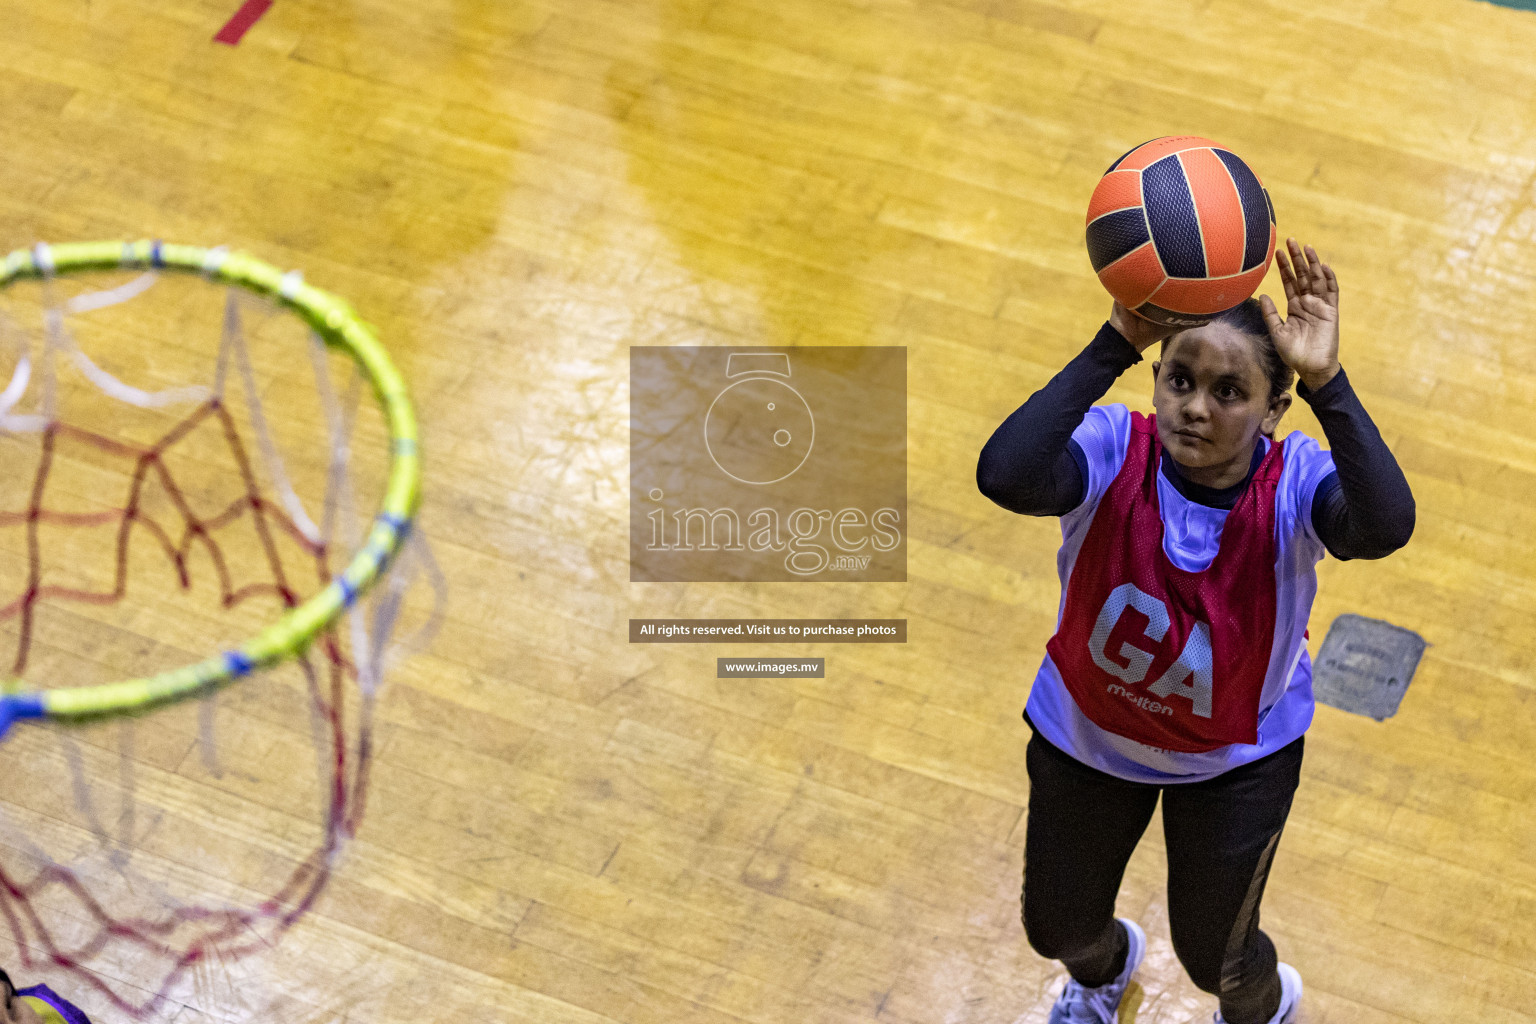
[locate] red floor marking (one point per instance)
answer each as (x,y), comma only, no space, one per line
(244,18)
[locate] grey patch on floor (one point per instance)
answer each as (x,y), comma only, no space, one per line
(1365,666)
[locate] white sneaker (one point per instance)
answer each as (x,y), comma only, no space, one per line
(1290,997)
(1101,1005)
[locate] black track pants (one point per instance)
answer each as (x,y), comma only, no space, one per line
(1221,836)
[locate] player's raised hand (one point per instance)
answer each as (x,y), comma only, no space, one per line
(1136,329)
(1308,338)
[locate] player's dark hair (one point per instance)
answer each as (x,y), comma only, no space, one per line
(10,990)
(1248,317)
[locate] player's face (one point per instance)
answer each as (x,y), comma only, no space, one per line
(1212,401)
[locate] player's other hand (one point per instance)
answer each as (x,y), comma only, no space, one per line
(1308,338)
(1139,331)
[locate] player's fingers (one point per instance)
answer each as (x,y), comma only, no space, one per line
(1292,275)
(1283,265)
(1293,288)
(1333,283)
(1271,314)
(1315,269)
(1299,266)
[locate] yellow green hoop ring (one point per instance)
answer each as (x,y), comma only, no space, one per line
(335,322)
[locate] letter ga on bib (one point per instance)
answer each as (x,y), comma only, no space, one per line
(1149,651)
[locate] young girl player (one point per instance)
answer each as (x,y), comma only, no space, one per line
(1179,665)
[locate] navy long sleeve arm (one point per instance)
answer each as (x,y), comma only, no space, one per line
(1366,509)
(1027,465)
(1363,510)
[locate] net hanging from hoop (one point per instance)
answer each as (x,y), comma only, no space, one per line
(97,909)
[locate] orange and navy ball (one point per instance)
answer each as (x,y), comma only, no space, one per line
(1180,229)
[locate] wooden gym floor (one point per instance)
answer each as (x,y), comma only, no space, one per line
(573,830)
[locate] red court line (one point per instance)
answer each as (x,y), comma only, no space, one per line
(244,18)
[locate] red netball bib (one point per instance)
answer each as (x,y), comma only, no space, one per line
(1169,658)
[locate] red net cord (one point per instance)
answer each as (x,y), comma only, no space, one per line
(182,937)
